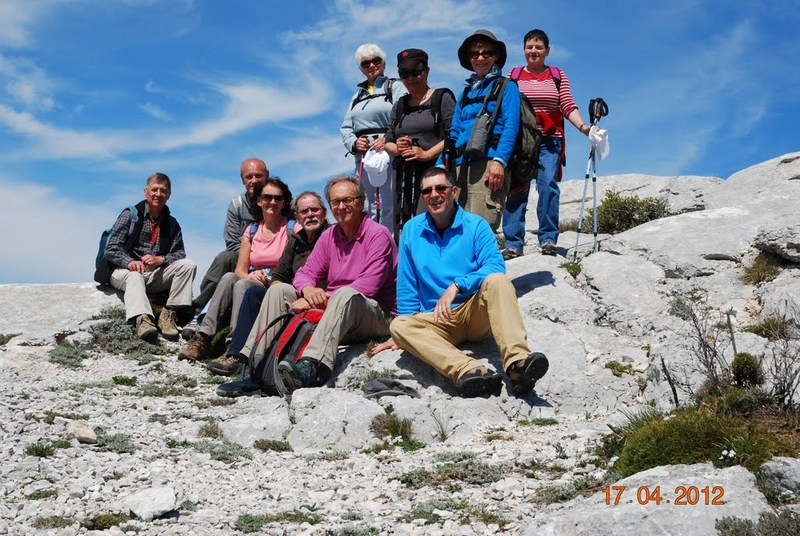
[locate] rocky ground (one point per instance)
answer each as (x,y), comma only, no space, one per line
(150,437)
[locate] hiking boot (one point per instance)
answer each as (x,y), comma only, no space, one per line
(509,254)
(225,365)
(525,374)
(167,325)
(238,388)
(548,248)
(478,382)
(300,374)
(145,329)
(199,347)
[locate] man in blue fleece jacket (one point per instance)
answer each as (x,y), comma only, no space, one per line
(451,288)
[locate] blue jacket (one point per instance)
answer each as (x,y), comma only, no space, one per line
(505,127)
(429,263)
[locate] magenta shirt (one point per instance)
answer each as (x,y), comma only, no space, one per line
(367,263)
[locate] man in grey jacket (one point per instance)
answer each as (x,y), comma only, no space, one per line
(239,218)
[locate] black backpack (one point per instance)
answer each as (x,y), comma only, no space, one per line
(288,345)
(435,105)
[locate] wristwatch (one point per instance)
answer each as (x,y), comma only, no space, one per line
(458,289)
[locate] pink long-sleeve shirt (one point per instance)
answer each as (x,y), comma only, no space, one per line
(366,263)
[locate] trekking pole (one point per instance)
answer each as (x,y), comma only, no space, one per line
(597,109)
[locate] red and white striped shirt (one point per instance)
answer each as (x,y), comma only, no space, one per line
(540,89)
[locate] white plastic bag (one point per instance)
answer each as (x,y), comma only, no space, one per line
(376,166)
(599,140)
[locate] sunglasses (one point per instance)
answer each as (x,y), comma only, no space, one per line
(312,210)
(408,74)
(271,197)
(475,54)
(374,61)
(440,189)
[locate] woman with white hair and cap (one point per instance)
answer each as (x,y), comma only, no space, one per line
(364,127)
(482,175)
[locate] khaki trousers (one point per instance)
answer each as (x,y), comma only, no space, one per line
(476,197)
(177,277)
(493,310)
(223,309)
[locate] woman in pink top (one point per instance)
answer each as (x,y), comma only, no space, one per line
(261,248)
(547,90)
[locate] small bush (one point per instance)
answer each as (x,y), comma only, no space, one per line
(67,355)
(104,521)
(119,443)
(187,506)
(40,449)
(42,494)
(249,523)
(124,380)
(271,444)
(394,431)
(746,370)
(618,369)
(470,471)
(157,417)
(210,430)
(50,416)
(111,312)
(116,337)
(161,390)
(785,522)
(52,522)
(224,451)
(427,510)
(173,443)
(568,225)
(618,213)
(762,269)
(772,328)
(572,268)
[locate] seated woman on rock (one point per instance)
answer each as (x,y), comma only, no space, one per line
(261,248)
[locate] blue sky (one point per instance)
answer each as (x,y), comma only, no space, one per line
(97,94)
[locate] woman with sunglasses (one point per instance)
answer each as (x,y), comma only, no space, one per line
(417,127)
(482,177)
(548,91)
(260,250)
(366,122)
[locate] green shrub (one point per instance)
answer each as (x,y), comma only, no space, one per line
(784,523)
(124,380)
(618,369)
(224,451)
(40,449)
(119,443)
(393,430)
(187,506)
(249,523)
(112,312)
(567,225)
(746,370)
(67,355)
(772,328)
(762,269)
(470,471)
(52,522)
(692,436)
(572,268)
(104,521)
(42,494)
(271,444)
(211,430)
(116,337)
(618,213)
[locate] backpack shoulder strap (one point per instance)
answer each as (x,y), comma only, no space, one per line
(388,90)
(436,108)
(403,110)
(516,73)
(253,230)
(134,219)
(555,72)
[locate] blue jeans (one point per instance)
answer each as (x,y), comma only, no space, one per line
(248,311)
(547,207)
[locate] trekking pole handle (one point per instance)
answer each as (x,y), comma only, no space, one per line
(597,109)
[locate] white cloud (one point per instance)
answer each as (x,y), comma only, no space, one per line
(16,19)
(155,111)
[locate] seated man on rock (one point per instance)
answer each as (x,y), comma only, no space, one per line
(261,305)
(451,288)
(237,220)
(357,260)
(150,258)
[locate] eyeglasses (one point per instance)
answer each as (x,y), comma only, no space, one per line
(271,197)
(312,210)
(408,74)
(440,189)
(346,201)
(374,61)
(474,54)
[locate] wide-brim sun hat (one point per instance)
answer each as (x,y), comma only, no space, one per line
(482,35)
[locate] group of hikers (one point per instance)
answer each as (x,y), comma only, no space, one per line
(424,180)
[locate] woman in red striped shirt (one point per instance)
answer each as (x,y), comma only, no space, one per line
(547,89)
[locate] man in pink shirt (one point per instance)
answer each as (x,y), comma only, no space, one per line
(358,260)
